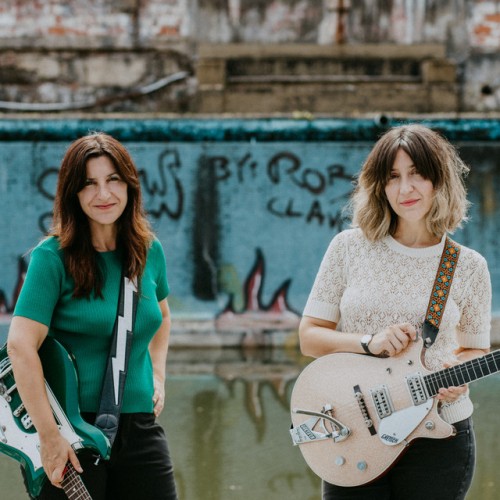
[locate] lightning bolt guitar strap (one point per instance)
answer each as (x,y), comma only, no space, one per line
(108,416)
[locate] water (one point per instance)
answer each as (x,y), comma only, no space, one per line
(227,420)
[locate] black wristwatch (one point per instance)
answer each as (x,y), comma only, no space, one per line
(365,341)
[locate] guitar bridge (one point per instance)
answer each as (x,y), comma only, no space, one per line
(314,429)
(364,410)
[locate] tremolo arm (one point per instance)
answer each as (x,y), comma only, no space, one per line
(306,432)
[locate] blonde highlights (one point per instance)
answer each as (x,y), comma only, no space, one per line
(435,159)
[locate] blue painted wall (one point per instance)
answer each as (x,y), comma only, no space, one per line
(244,208)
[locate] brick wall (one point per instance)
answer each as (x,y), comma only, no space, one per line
(70,52)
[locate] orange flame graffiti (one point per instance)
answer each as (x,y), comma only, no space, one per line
(257,317)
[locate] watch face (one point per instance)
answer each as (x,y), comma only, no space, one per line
(366,339)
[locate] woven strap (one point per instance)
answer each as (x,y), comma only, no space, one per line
(440,291)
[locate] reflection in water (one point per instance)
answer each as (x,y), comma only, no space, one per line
(234,441)
(237,446)
(227,420)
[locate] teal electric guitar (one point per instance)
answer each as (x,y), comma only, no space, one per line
(18,437)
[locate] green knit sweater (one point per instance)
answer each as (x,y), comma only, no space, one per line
(85,326)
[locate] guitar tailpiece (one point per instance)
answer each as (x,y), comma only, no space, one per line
(306,432)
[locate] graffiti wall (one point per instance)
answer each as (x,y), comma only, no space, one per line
(244,210)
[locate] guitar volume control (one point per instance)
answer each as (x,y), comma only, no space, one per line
(362,465)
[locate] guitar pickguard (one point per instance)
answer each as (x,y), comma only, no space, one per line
(11,435)
(396,428)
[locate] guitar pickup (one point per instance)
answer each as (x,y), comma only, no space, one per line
(382,401)
(17,412)
(26,421)
(416,387)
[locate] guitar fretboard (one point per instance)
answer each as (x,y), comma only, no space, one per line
(463,373)
(73,485)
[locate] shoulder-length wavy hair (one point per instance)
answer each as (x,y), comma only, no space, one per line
(434,158)
(71,225)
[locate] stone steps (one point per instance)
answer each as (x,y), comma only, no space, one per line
(242,78)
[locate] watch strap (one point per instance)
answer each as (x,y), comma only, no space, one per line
(364,345)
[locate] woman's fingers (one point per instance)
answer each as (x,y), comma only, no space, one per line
(451,394)
(394,339)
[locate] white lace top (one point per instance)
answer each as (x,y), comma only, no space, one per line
(365,287)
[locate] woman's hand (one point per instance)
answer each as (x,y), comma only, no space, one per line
(158,396)
(158,349)
(392,340)
(451,394)
(55,453)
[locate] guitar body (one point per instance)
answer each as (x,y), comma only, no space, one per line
(375,414)
(18,437)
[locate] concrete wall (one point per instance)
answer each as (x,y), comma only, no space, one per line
(244,208)
(115,55)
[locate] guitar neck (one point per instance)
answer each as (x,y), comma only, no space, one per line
(73,486)
(463,373)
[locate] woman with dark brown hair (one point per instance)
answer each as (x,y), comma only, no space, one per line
(71,292)
(372,291)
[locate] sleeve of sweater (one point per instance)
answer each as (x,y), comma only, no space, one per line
(329,285)
(162,286)
(475,305)
(42,286)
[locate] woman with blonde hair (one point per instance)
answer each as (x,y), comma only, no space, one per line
(371,293)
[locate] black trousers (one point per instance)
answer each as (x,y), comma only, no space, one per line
(431,469)
(139,468)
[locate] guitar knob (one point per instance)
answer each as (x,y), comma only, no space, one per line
(362,465)
(339,460)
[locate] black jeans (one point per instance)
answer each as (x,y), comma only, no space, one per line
(431,469)
(139,468)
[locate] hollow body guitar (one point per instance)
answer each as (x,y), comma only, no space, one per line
(353,415)
(18,437)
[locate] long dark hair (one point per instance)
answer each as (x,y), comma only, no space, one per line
(71,225)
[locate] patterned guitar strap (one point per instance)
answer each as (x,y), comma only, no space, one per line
(440,291)
(108,416)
